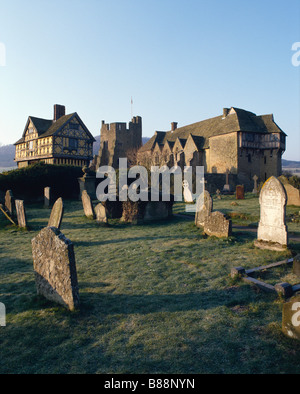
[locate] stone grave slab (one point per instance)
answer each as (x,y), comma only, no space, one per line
(217,225)
(56,214)
(87,205)
(21,214)
(101,214)
(204,207)
(47,197)
(291,317)
(272,231)
(240,192)
(55,268)
(9,202)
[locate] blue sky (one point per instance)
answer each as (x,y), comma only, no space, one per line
(180,60)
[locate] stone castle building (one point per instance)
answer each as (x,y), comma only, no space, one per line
(118,141)
(63,140)
(238,142)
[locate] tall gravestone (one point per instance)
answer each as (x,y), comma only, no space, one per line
(87,205)
(21,214)
(204,207)
(56,214)
(47,197)
(9,202)
(272,230)
(55,268)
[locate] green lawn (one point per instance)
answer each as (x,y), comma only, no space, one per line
(156,298)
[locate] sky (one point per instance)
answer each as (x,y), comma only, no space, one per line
(179,60)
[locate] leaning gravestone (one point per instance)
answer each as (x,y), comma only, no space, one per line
(55,268)
(21,214)
(101,215)
(204,207)
(272,231)
(9,202)
(291,317)
(293,195)
(56,214)
(87,205)
(217,225)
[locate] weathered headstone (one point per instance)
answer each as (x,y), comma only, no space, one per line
(293,195)
(296,265)
(101,214)
(87,205)
(157,210)
(218,193)
(21,214)
(56,214)
(204,207)
(226,187)
(187,194)
(272,231)
(47,191)
(9,202)
(240,192)
(255,189)
(291,317)
(217,225)
(55,268)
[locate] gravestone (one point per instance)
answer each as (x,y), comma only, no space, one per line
(296,265)
(218,193)
(187,194)
(55,268)
(87,205)
(204,207)
(21,214)
(272,231)
(291,317)
(56,214)
(157,210)
(226,187)
(255,189)
(47,197)
(240,192)
(9,202)
(217,225)
(293,195)
(101,214)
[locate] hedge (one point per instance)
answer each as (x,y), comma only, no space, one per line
(28,183)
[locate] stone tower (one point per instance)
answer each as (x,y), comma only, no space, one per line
(116,140)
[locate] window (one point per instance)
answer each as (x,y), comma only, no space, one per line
(73,143)
(249,158)
(30,145)
(265,159)
(30,130)
(74,126)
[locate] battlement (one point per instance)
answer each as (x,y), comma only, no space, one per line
(117,139)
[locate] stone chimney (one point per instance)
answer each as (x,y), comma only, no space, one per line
(225,112)
(174,126)
(59,111)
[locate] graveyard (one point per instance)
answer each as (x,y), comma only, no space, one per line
(156,297)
